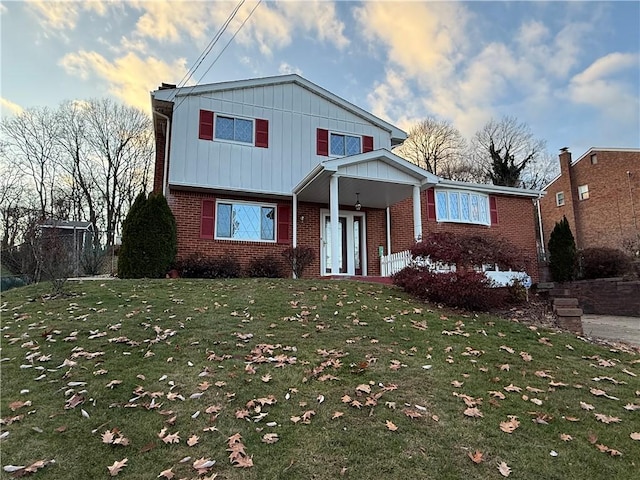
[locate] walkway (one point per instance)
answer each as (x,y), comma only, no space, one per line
(609,327)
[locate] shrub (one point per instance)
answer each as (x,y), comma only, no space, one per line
(299,258)
(601,262)
(469,251)
(562,252)
(197,266)
(264,267)
(92,260)
(149,238)
(463,289)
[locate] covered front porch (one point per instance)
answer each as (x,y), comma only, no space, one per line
(353,187)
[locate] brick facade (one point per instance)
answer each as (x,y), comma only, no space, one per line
(516,224)
(186,207)
(609,216)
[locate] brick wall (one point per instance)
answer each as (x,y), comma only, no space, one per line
(186,207)
(516,224)
(610,215)
(607,296)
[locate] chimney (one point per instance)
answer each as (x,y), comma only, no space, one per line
(565,161)
(166,86)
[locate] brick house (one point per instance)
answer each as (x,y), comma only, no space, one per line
(599,193)
(254,166)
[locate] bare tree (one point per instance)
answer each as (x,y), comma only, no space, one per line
(435,145)
(505,148)
(32,147)
(119,143)
(538,173)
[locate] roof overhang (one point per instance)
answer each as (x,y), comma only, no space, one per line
(491,189)
(378,179)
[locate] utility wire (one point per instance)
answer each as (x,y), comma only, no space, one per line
(208,48)
(221,52)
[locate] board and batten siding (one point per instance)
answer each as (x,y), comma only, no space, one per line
(294,114)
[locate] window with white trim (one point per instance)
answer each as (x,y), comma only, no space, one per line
(344,145)
(234,129)
(245,221)
(462,207)
(583,192)
(559,199)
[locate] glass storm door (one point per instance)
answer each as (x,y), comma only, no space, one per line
(351,238)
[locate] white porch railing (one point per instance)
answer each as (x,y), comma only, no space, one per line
(393,263)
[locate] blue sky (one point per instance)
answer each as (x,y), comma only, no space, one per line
(571,70)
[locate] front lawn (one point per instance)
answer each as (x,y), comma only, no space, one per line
(297,379)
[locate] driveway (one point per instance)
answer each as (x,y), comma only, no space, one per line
(625,329)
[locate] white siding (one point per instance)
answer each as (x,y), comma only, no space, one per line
(293,113)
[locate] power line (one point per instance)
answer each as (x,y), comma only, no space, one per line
(223,49)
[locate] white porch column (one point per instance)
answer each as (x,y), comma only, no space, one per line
(334,207)
(417,214)
(388,231)
(295,220)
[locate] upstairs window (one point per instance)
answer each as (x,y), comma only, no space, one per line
(234,129)
(344,145)
(583,192)
(559,199)
(463,207)
(594,159)
(340,144)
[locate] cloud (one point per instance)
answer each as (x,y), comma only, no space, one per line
(9,107)
(130,77)
(602,85)
(285,69)
(63,15)
(272,25)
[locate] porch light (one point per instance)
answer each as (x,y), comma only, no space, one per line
(358,205)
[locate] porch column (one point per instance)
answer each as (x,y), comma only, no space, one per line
(295,220)
(333,207)
(417,214)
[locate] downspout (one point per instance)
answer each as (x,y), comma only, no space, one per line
(166,152)
(540,227)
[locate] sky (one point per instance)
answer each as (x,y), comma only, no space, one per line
(569,70)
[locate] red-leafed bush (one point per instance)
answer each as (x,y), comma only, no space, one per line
(469,251)
(464,288)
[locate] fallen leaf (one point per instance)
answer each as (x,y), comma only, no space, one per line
(510,425)
(117,466)
(606,418)
(193,440)
(504,469)
(391,426)
(476,457)
(270,438)
(586,406)
(168,474)
(635,436)
(565,437)
(473,412)
(337,415)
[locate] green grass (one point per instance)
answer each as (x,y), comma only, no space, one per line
(139,331)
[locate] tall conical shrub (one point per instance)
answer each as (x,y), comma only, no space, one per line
(149,239)
(562,252)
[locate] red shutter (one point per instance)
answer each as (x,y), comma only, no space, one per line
(367,144)
(322,142)
(206,125)
(431,204)
(207,218)
(262,133)
(493,208)
(284,221)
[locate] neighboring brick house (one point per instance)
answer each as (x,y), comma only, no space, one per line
(599,194)
(255,166)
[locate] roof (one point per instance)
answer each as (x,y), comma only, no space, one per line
(168,94)
(588,154)
(65,224)
(491,189)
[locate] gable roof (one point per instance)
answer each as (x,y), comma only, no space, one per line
(168,94)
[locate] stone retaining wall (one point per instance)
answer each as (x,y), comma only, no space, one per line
(607,296)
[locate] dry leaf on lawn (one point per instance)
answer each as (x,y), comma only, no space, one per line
(117,466)
(473,412)
(168,474)
(504,469)
(476,457)
(193,440)
(270,438)
(391,426)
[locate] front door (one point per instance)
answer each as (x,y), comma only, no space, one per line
(351,238)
